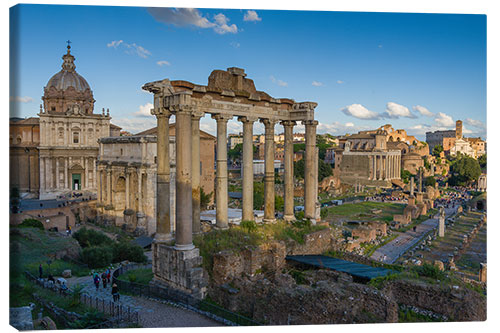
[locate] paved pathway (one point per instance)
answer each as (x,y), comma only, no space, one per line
(151,313)
(391,251)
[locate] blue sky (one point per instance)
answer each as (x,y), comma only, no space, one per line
(419,72)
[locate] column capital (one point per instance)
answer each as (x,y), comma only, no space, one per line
(161,112)
(287,123)
(247,119)
(268,122)
(220,117)
(197,115)
(180,108)
(310,122)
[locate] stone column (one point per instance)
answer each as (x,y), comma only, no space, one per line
(269,170)
(163,232)
(247,169)
(310,172)
(42,173)
(127,189)
(99,187)
(94,178)
(66,180)
(221,195)
(139,190)
(86,172)
(289,189)
(183,185)
(57,172)
(195,168)
(108,187)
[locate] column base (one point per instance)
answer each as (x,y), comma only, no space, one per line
(216,227)
(268,220)
(180,270)
(163,238)
(187,247)
(289,218)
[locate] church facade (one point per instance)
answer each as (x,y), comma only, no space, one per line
(69,130)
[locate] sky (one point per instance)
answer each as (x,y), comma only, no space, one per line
(419,72)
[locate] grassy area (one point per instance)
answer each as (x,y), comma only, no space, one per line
(30,247)
(363,211)
(140,276)
(409,316)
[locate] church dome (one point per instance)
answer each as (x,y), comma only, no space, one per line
(68,77)
(67,90)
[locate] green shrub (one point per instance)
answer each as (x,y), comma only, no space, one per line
(89,319)
(31,223)
(97,256)
(300,215)
(89,237)
(430,271)
(248,226)
(128,251)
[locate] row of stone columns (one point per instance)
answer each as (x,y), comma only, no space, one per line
(49,180)
(188,172)
(384,167)
(106,175)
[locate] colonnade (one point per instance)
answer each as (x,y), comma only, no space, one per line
(384,166)
(52,167)
(187,172)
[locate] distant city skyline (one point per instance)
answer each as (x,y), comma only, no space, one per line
(419,72)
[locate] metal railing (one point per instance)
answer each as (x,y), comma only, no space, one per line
(163,293)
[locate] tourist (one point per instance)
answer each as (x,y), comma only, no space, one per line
(115,293)
(96,281)
(108,275)
(40,271)
(104,277)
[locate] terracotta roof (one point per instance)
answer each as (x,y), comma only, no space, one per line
(171,128)
(114,126)
(25,121)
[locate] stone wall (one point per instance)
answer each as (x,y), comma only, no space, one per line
(456,303)
(326,297)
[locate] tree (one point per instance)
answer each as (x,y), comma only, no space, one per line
(236,153)
(324,169)
(205,198)
(405,176)
(258,195)
(482,161)
(279,203)
(464,170)
(437,150)
(299,147)
(430,181)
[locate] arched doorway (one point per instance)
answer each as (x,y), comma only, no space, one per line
(76,172)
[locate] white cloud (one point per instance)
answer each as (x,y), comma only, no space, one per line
(423,111)
(337,128)
(182,17)
(278,82)
(340,81)
(394,111)
(115,43)
(20,99)
(360,112)
(163,63)
(475,123)
(135,125)
(444,120)
(380,46)
(144,110)
(251,15)
(317,84)
(130,48)
(236,45)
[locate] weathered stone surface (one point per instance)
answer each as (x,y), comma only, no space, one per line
(21,318)
(459,304)
(66,273)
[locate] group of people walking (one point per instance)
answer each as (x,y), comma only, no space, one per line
(105,277)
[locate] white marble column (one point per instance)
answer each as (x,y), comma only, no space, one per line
(42,173)
(94,173)
(109,200)
(86,172)
(139,190)
(127,189)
